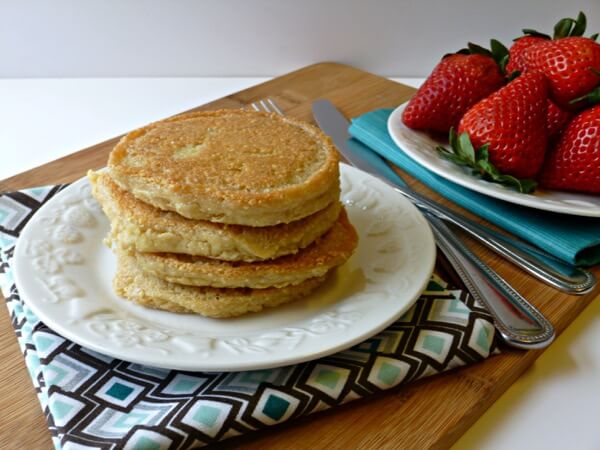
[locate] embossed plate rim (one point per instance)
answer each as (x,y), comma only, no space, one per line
(554,201)
(332,327)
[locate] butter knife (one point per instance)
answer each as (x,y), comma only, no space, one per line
(536,262)
(519,323)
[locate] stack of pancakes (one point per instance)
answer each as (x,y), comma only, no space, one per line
(223,213)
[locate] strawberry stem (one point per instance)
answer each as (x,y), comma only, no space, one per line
(464,154)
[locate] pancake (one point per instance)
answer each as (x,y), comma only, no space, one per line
(133,284)
(330,250)
(138,226)
(229,166)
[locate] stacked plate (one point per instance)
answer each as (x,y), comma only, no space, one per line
(65,272)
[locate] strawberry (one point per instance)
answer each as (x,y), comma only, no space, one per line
(512,121)
(516,53)
(455,84)
(574,164)
(569,64)
(563,28)
(556,120)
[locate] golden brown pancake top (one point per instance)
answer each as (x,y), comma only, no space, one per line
(240,157)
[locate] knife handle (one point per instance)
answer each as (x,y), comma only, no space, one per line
(519,323)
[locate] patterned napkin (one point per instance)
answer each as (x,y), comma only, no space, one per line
(95,401)
(573,239)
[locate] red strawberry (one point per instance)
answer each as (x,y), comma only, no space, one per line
(517,50)
(569,64)
(574,164)
(513,122)
(564,28)
(456,83)
(557,119)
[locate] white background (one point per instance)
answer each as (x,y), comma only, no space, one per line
(556,404)
(150,38)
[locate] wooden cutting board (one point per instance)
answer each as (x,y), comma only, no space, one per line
(432,413)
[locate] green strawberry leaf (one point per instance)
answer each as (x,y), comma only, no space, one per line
(499,50)
(463,153)
(489,169)
(563,28)
(594,36)
(479,50)
(592,97)
(453,138)
(451,156)
(525,186)
(503,62)
(570,27)
(513,75)
(500,54)
(483,154)
(530,32)
(580,24)
(465,148)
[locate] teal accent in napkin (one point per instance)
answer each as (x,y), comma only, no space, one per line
(574,239)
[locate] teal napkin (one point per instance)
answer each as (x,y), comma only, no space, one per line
(573,239)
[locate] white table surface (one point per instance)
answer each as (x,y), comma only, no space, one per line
(554,405)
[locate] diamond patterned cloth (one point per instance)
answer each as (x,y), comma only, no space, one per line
(95,401)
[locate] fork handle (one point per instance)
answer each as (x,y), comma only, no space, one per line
(519,323)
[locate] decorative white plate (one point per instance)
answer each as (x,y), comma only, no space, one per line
(421,147)
(63,271)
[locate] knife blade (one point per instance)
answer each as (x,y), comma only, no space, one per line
(518,322)
(536,262)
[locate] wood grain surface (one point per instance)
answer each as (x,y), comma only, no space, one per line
(432,413)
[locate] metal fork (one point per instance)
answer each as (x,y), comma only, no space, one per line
(519,323)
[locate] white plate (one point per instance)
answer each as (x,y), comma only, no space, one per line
(421,147)
(64,272)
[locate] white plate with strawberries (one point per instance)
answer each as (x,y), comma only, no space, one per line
(522,125)
(421,147)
